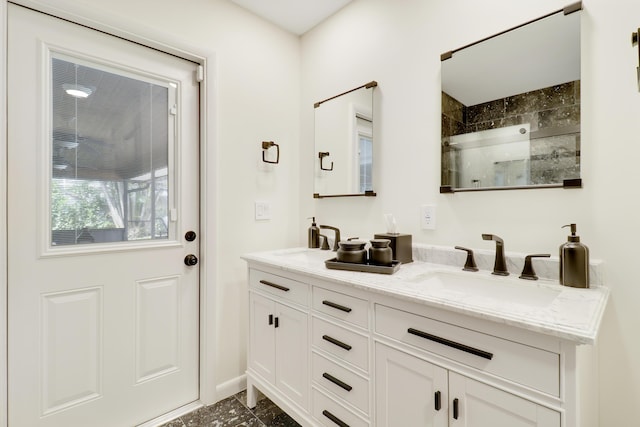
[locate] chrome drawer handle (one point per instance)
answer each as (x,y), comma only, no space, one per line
(337,306)
(337,382)
(453,344)
(336,342)
(274,285)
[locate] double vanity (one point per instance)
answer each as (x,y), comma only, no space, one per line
(430,345)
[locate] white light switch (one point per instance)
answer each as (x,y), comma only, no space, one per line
(428,217)
(263,210)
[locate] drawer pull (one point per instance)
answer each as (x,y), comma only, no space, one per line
(437,399)
(336,342)
(335,419)
(455,409)
(337,306)
(449,343)
(337,382)
(274,285)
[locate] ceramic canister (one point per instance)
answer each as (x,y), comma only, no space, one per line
(380,253)
(352,251)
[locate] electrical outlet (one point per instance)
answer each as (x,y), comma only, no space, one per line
(428,217)
(263,210)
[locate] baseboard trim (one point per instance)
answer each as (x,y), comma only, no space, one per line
(231,387)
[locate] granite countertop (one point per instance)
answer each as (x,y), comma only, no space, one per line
(541,306)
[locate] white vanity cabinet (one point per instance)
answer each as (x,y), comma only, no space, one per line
(409,390)
(479,405)
(357,349)
(340,358)
(278,351)
(408,387)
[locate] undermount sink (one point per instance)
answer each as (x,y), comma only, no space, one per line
(506,290)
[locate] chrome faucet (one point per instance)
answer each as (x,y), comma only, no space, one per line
(337,236)
(500,265)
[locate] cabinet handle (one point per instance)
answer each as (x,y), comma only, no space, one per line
(335,419)
(276,322)
(337,306)
(336,342)
(337,382)
(453,344)
(437,398)
(274,285)
(455,409)
(271,319)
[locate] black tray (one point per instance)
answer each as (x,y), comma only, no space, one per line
(334,264)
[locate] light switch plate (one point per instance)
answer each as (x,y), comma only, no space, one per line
(263,210)
(428,217)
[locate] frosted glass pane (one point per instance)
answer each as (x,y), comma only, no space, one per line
(110,152)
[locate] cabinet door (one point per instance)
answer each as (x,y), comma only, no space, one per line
(409,391)
(480,405)
(262,350)
(292,354)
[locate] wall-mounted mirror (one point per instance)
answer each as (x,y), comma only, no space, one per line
(511,108)
(344,147)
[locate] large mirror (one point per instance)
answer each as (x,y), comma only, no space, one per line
(511,108)
(344,147)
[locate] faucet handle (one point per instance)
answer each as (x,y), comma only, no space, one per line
(325,242)
(470,263)
(527,272)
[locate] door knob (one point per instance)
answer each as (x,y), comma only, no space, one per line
(190,260)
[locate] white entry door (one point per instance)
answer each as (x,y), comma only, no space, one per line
(102,222)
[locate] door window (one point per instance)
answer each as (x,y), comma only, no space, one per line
(111,133)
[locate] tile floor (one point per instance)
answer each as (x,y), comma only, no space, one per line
(233,412)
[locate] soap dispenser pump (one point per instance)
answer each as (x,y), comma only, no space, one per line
(314,234)
(574,261)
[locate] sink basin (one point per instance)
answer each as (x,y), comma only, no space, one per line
(503,289)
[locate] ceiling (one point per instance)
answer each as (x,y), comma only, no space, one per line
(295,16)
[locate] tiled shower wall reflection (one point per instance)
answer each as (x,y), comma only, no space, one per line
(553,114)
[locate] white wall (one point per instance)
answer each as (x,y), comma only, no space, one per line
(399,46)
(258,100)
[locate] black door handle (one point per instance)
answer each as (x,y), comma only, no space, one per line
(190,260)
(455,409)
(437,398)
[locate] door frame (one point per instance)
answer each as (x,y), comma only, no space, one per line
(141,34)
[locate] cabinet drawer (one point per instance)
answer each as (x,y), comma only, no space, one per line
(342,382)
(331,414)
(344,344)
(286,289)
(341,306)
(533,367)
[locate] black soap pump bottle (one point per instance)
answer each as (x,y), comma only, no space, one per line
(574,261)
(314,234)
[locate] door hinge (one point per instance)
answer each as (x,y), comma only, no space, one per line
(200,73)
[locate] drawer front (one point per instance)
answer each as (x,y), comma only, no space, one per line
(342,382)
(344,344)
(533,367)
(283,288)
(344,307)
(331,414)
